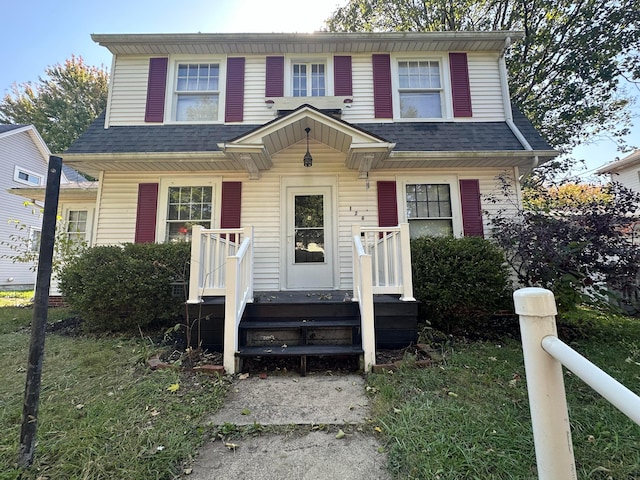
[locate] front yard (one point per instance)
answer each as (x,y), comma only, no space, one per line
(104,414)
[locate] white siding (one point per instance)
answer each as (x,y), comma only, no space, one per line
(129,91)
(629,177)
(17,149)
(255,110)
(484,82)
(362,108)
(356,203)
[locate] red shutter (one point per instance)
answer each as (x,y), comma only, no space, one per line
(342,79)
(460,90)
(382,98)
(471,208)
(146,213)
(275,77)
(155,90)
(231,203)
(387,204)
(234,104)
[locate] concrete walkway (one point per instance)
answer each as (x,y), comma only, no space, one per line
(322,404)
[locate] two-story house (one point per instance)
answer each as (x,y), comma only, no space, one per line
(299,165)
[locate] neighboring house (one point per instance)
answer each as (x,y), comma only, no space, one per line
(625,171)
(308,160)
(23,162)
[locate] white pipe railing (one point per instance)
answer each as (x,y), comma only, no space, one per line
(363,294)
(390,252)
(239,292)
(544,355)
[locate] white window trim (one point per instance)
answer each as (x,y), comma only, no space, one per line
(16,172)
(90,209)
(170,104)
(288,72)
(445,79)
(454,190)
(186,181)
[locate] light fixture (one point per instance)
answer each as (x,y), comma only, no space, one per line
(308,159)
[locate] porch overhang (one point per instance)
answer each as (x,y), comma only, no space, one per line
(255,149)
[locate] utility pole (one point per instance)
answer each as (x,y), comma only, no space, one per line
(39,322)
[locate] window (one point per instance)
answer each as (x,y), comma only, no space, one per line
(35,237)
(420,89)
(77,225)
(187,206)
(309,80)
(197,91)
(28,178)
(429,209)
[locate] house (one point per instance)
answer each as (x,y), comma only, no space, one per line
(24,157)
(625,171)
(299,166)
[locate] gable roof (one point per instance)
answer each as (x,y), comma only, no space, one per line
(630,160)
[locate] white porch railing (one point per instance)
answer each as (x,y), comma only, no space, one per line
(210,249)
(222,265)
(390,252)
(381,264)
(363,294)
(544,355)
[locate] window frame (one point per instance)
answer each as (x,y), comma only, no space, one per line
(185,181)
(18,170)
(290,61)
(446,102)
(172,93)
(79,207)
(454,192)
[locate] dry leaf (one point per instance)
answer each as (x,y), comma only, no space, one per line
(340,434)
(231,446)
(243,376)
(174,387)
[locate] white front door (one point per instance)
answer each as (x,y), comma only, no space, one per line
(310,240)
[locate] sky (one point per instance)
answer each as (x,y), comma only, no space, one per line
(40,33)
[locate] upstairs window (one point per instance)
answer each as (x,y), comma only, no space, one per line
(28,178)
(197,92)
(309,79)
(420,89)
(429,209)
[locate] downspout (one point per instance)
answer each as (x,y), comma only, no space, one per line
(506,100)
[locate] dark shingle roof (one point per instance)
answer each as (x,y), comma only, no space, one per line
(412,137)
(530,133)
(8,128)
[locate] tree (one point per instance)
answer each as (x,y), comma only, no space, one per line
(578,246)
(566,72)
(62,105)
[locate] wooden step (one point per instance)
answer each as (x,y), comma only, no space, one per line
(279,323)
(300,350)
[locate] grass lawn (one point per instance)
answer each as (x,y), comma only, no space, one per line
(468,418)
(103,414)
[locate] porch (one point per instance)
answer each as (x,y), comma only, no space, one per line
(378,312)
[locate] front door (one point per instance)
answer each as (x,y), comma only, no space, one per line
(309,238)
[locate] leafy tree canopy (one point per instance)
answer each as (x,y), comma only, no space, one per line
(567,195)
(566,72)
(61,105)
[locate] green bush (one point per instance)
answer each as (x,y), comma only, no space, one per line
(460,282)
(119,288)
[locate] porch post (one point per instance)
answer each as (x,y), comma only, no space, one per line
(367,315)
(196,267)
(230,327)
(407,277)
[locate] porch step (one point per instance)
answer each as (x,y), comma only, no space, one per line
(299,350)
(279,323)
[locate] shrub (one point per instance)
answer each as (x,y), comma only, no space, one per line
(118,288)
(460,282)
